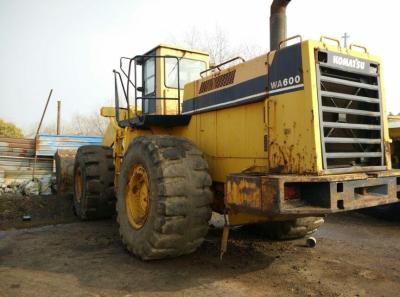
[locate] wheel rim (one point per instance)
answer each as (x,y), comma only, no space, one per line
(137,196)
(78,185)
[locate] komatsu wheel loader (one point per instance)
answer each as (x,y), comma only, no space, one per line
(278,141)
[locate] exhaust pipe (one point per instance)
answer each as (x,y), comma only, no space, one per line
(277,23)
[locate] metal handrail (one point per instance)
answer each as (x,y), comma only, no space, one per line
(122,69)
(290,38)
(117,74)
(222,64)
(126,87)
(155,90)
(358,46)
(331,39)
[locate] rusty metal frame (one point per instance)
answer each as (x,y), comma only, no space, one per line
(265,194)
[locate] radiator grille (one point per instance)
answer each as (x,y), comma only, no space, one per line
(350,117)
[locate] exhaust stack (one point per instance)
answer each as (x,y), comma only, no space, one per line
(277,23)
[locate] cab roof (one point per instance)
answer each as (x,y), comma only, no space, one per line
(195,51)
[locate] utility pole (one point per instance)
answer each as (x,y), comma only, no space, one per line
(58,117)
(38,130)
(345,38)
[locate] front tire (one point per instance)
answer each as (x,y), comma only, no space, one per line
(164,197)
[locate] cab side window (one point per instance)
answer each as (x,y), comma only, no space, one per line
(149,77)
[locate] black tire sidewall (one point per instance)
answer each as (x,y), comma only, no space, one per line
(97,199)
(137,154)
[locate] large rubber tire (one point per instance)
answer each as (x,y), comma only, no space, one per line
(293,229)
(94,170)
(179,194)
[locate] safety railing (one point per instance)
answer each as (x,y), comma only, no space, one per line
(133,64)
(221,64)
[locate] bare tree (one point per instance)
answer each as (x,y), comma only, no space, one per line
(89,124)
(250,51)
(80,124)
(217,45)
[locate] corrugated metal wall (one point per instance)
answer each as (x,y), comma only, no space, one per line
(47,145)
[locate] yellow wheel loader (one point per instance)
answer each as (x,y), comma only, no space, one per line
(277,141)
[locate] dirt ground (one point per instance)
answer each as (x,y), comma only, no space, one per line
(356,255)
(42,210)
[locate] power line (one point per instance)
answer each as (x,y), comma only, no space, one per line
(345,38)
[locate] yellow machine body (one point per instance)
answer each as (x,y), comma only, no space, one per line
(263,123)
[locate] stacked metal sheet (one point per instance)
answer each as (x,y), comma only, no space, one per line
(17,159)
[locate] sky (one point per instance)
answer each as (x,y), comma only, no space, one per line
(72,46)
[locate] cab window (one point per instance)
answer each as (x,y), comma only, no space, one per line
(149,78)
(189,70)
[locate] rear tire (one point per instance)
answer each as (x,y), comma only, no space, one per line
(173,216)
(390,212)
(293,229)
(94,183)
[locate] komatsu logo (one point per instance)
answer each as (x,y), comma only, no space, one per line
(348,62)
(285,82)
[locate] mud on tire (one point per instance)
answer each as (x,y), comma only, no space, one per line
(180,198)
(94,196)
(292,229)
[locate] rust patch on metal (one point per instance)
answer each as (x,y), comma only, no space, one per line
(286,159)
(244,191)
(388,151)
(270,195)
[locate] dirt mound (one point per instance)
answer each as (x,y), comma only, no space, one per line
(18,211)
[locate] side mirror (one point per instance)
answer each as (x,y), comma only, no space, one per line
(139,61)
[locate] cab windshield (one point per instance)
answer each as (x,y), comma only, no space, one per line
(189,70)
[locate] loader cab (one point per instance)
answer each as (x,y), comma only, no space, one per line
(153,83)
(165,72)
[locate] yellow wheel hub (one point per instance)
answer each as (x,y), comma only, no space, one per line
(137,196)
(78,184)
